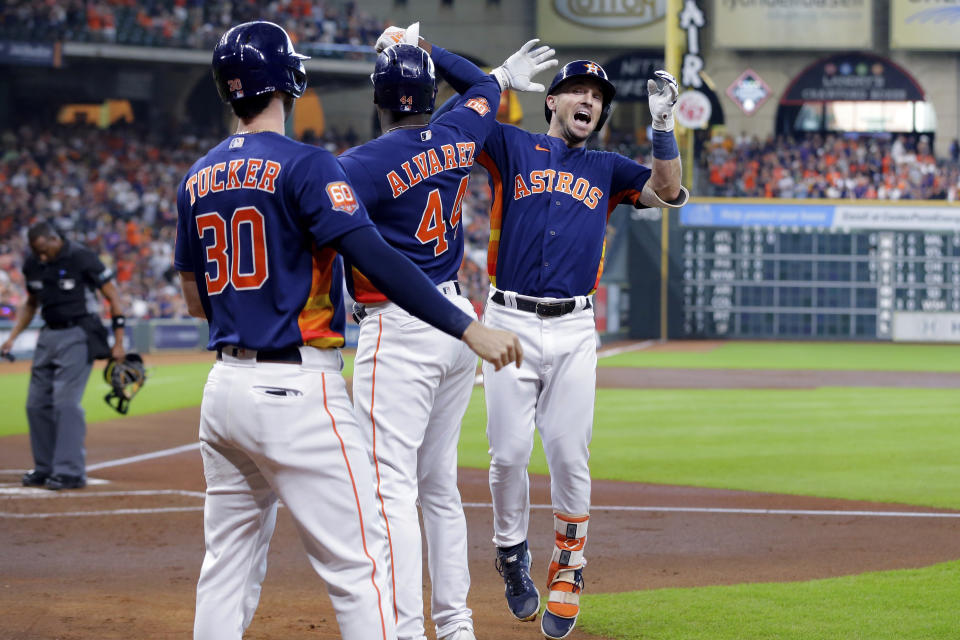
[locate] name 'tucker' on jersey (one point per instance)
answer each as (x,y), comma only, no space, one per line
(240,209)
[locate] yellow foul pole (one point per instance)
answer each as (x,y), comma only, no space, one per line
(673,47)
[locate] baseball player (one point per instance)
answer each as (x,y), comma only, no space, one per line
(412,382)
(260,220)
(552,198)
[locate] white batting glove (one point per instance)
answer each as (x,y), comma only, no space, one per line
(516,71)
(389,37)
(662,100)
(396,35)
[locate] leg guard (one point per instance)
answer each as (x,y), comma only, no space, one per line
(565,576)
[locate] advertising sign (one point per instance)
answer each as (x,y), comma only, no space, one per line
(34,54)
(749,91)
(915,24)
(793,24)
(629,73)
(693,109)
(853,77)
(602,23)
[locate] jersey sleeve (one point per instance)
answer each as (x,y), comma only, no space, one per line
(360,179)
(475,111)
(627,180)
(323,197)
(93,270)
(495,147)
(182,256)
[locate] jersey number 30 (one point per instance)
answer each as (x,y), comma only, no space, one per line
(247,236)
(433,227)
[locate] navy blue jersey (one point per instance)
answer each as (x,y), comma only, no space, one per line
(247,213)
(412,180)
(550,209)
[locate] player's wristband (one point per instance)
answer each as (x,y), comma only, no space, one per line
(118,322)
(665,145)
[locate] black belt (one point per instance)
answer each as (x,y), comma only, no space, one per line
(360,311)
(289,355)
(66,324)
(542,309)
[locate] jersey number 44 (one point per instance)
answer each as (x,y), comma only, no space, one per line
(433,226)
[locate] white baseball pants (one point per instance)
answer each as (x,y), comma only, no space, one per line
(287,431)
(411,387)
(554,392)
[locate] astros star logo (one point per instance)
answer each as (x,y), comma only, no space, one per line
(594,68)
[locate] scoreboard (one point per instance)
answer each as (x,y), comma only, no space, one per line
(801,271)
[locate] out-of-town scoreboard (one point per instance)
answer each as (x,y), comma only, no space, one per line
(765,269)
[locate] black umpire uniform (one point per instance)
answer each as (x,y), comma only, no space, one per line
(61,277)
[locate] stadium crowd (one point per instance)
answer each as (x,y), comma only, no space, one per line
(114,189)
(195,24)
(828,166)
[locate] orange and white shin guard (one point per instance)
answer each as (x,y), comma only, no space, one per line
(564,579)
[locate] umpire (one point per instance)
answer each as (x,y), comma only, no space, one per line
(59,274)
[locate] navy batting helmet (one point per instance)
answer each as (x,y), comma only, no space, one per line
(257,57)
(583,69)
(404,79)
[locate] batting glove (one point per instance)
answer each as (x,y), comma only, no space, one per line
(662,99)
(396,35)
(516,71)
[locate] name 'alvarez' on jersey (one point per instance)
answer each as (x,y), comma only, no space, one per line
(550,208)
(412,182)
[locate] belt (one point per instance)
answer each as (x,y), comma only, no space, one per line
(66,324)
(360,311)
(549,309)
(288,355)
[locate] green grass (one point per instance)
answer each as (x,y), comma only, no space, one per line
(890,445)
(168,387)
(800,355)
(890,605)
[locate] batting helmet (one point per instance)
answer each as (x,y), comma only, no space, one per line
(126,377)
(257,57)
(583,69)
(404,79)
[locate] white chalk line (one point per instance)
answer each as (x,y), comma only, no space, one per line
(144,456)
(111,512)
(44,494)
(487,505)
(639,346)
(17,492)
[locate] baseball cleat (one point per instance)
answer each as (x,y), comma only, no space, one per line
(34,478)
(523,599)
(563,605)
(62,481)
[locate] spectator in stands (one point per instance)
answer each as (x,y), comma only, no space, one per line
(830,166)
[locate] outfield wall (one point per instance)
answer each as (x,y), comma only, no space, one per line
(795,269)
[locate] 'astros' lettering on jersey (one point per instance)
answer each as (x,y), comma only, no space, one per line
(415,202)
(241,209)
(550,208)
